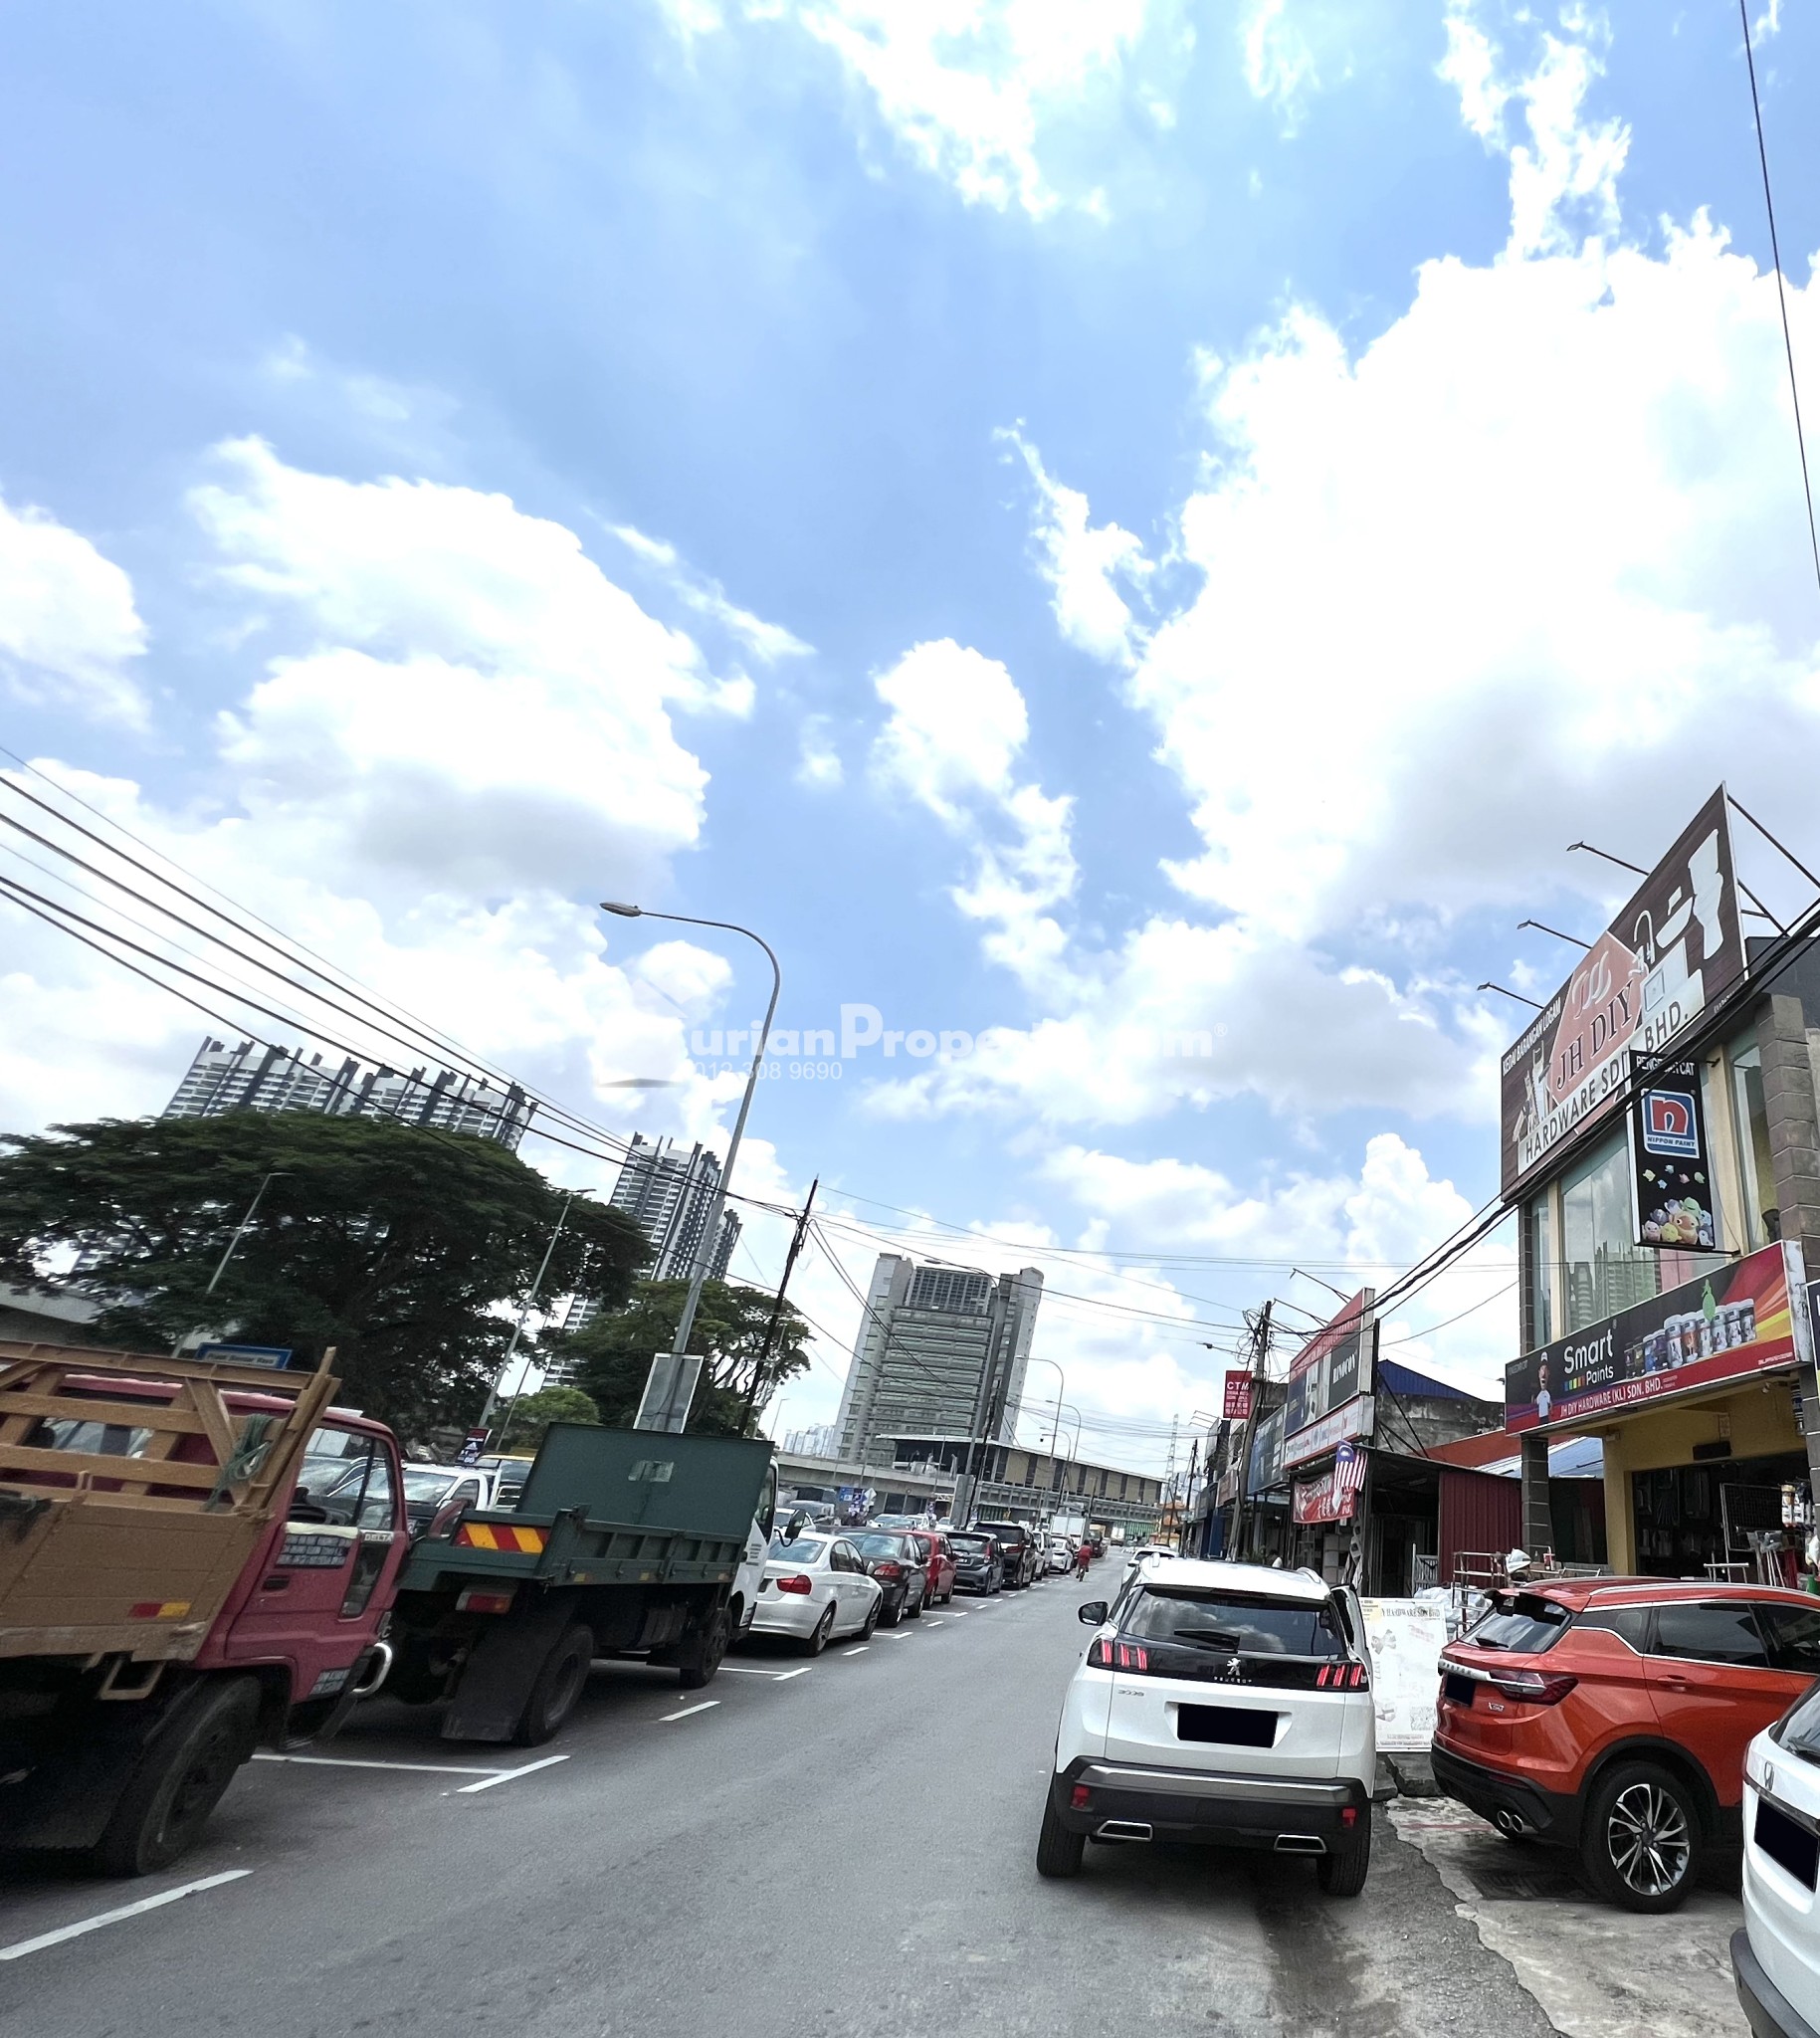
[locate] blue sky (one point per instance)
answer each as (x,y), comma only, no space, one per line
(1083,522)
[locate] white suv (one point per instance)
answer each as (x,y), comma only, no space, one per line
(1776,1957)
(1226,1702)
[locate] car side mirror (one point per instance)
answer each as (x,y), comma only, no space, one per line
(1091,1613)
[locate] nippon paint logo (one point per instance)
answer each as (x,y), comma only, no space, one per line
(863,1032)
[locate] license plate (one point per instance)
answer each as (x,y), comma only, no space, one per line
(1456,1688)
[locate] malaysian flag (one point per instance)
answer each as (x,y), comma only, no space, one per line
(1348,1476)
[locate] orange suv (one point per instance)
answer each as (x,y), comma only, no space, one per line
(1611,1716)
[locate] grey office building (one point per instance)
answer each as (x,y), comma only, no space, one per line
(939,1348)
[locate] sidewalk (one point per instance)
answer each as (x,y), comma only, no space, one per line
(1597,1972)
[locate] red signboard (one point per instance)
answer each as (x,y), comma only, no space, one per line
(1326,1499)
(1344,1326)
(1238,1390)
(1725,1326)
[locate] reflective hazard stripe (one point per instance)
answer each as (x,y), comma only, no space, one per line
(502,1536)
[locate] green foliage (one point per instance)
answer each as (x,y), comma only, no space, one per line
(533,1414)
(613,1355)
(393,1244)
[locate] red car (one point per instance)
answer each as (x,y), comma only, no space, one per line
(1611,1716)
(938,1556)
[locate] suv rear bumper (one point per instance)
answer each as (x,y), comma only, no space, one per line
(1544,1813)
(1221,1806)
(1766,2009)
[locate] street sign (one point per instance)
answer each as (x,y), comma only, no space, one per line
(472,1444)
(669,1391)
(271,1357)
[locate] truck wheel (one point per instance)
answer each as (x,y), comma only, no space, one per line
(191,1762)
(1058,1851)
(559,1684)
(701,1655)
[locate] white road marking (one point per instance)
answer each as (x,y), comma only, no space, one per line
(892,1638)
(929,1621)
(57,1938)
(703,1707)
(344,1763)
(750,1669)
(509,1776)
(785,1676)
(860,1651)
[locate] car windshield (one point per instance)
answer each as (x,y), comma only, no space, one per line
(803,1550)
(428,1485)
(1224,1620)
(1520,1621)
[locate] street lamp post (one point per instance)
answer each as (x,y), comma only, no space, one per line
(710,1231)
(517,1330)
(239,1232)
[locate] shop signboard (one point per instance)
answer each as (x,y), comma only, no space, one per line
(1670,1177)
(1266,1466)
(1333,1496)
(1238,1390)
(1353,1420)
(1723,1325)
(1333,1368)
(1676,944)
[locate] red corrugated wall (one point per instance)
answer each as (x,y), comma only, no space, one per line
(1477,1512)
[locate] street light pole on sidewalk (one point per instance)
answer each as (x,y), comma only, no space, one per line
(517,1330)
(710,1231)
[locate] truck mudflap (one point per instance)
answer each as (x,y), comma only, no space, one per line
(496,1681)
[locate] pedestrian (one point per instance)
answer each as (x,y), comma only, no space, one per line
(1082,1557)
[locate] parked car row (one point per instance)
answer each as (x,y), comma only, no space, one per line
(823,1584)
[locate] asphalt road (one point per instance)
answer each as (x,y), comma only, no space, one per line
(848,1850)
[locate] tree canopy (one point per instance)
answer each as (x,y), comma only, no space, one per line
(533,1414)
(395,1244)
(612,1356)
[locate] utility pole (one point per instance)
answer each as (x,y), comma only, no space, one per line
(770,1329)
(1260,1353)
(1194,1453)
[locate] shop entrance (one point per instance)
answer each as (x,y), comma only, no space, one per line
(1681,1510)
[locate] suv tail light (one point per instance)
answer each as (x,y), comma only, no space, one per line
(1532,1687)
(799,1583)
(1104,1655)
(1342,1677)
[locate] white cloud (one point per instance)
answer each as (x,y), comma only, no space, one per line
(770,643)
(1082,562)
(68,629)
(983,93)
(951,742)
(818,761)
(1279,62)
(1564,178)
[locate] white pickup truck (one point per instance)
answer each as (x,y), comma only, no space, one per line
(431,1490)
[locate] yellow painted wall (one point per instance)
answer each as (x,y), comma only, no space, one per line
(1763,1425)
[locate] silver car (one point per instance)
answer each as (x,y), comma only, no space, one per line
(815,1589)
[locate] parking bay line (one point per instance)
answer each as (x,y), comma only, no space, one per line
(420,1768)
(64,1932)
(509,1775)
(704,1706)
(860,1651)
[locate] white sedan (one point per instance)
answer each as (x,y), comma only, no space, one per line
(815,1589)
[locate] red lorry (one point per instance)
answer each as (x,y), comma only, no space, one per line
(194,1559)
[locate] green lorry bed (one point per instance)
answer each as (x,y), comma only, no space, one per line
(610,1507)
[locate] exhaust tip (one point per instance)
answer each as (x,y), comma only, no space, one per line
(1301,1843)
(1123,1829)
(1507,1821)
